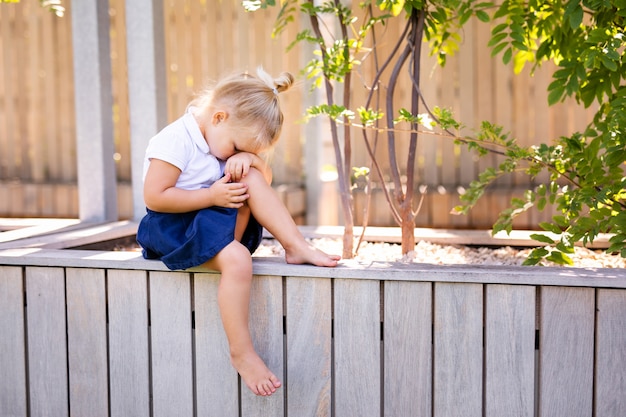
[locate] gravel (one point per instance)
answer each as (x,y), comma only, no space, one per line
(426,252)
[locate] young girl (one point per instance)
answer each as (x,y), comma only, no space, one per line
(207,194)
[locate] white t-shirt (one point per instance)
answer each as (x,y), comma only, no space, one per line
(181,144)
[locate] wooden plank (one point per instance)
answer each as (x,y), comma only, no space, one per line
(610,380)
(566,351)
(509,350)
(12,29)
(33,69)
(5,119)
(467,94)
(171,360)
(87,342)
(47,347)
(357,348)
(217,382)
(266,329)
(458,355)
(12,343)
(66,136)
(309,346)
(408,349)
(119,64)
(129,362)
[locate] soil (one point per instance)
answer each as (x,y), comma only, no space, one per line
(426,252)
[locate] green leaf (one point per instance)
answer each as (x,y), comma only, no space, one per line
(482,16)
(508,54)
(563,248)
(496,39)
(576,17)
(542,238)
(608,63)
(549,227)
(496,50)
(555,95)
(560,258)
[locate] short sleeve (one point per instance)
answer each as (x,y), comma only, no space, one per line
(171,148)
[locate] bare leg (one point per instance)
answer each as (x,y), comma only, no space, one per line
(243,216)
(235,264)
(274,216)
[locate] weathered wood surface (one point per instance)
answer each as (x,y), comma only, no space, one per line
(81,340)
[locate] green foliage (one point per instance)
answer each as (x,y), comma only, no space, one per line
(444,21)
(587,179)
(587,170)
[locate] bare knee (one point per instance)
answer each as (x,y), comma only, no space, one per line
(255,177)
(234,260)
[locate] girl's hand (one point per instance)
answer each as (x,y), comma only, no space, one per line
(228,194)
(239,165)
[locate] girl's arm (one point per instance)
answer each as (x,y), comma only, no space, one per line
(160,192)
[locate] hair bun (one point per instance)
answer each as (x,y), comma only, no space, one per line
(284,81)
(279,84)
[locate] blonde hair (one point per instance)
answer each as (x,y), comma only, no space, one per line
(251,102)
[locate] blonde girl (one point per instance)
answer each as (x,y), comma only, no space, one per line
(208,195)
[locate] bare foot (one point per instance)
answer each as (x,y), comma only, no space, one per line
(255,374)
(307,254)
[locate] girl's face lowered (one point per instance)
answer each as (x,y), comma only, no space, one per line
(225,141)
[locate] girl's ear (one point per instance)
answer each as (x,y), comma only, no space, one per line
(218,117)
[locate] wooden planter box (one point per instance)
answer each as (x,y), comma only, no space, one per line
(95,333)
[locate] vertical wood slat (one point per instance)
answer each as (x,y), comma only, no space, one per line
(458,355)
(216,379)
(566,351)
(266,329)
(87,342)
(357,342)
(129,363)
(610,373)
(171,359)
(408,349)
(509,350)
(12,343)
(309,346)
(47,348)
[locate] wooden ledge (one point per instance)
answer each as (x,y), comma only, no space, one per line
(348,269)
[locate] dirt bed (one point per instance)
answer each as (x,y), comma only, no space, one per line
(426,252)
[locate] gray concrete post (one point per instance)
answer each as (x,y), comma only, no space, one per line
(97,185)
(147,89)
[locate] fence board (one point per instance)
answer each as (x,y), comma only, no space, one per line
(610,382)
(566,351)
(357,317)
(266,329)
(47,347)
(509,350)
(408,349)
(217,382)
(87,342)
(309,346)
(12,349)
(129,362)
(458,356)
(171,360)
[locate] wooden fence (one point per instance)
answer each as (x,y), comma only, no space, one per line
(89,333)
(206,39)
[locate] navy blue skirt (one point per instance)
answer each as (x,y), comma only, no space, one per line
(185,240)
